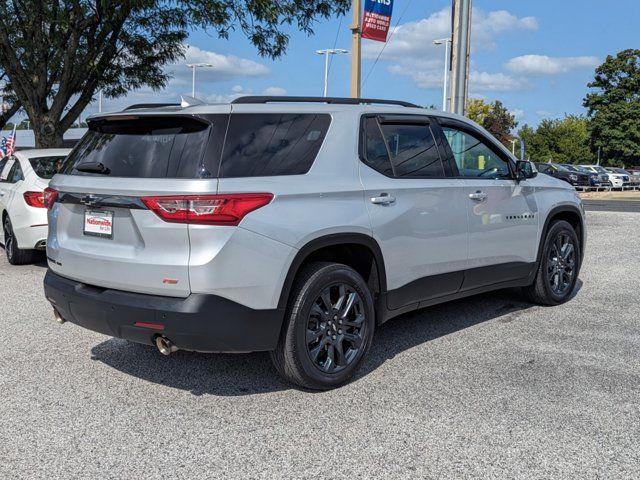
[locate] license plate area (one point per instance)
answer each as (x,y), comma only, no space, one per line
(98,223)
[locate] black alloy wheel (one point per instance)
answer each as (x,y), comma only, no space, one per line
(561,263)
(336,328)
(328,327)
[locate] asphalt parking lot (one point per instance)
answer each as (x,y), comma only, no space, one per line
(485,387)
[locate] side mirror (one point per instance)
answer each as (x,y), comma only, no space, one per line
(525,170)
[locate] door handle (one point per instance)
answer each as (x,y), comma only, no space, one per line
(478,196)
(383,199)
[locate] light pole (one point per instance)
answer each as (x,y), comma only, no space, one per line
(193,66)
(100,101)
(445,42)
(513,145)
(326,53)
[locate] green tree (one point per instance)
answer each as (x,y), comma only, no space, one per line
(58,53)
(614,108)
(558,140)
(494,117)
(477,110)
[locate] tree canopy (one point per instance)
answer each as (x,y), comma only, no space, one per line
(614,108)
(494,117)
(558,140)
(57,54)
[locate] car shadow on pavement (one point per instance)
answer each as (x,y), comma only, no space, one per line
(248,374)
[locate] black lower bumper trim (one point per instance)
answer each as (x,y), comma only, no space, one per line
(203,323)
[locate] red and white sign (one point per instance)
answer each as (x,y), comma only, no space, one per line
(377,19)
(98,223)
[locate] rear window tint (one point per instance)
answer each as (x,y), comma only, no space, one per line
(147,147)
(47,167)
(272,144)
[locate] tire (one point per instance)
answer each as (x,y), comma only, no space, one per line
(15,255)
(328,328)
(557,274)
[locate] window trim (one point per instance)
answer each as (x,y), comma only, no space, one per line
(403,119)
(490,142)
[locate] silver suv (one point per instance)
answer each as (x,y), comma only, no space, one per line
(296,226)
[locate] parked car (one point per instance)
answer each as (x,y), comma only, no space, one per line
(23,178)
(595,179)
(616,180)
(627,178)
(577,179)
(296,226)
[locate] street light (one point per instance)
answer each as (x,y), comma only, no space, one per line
(326,53)
(193,66)
(513,145)
(445,42)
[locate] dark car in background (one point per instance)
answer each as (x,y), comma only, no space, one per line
(577,179)
(595,179)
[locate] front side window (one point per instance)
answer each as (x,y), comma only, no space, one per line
(474,158)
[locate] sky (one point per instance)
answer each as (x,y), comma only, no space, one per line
(537,57)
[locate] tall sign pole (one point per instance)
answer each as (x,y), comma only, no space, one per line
(460,50)
(356,49)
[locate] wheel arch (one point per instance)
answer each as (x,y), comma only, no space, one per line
(572,215)
(356,250)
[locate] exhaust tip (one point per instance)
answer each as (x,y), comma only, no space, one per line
(58,317)
(165,346)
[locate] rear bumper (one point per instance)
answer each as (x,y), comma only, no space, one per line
(31,237)
(204,323)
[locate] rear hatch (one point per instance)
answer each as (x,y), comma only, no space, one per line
(103,230)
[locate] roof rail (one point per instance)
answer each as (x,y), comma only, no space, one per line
(331,100)
(150,105)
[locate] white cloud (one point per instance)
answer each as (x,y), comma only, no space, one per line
(415,39)
(518,113)
(495,82)
(223,67)
(411,51)
(274,91)
(545,65)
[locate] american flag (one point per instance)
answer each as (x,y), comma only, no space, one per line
(10,146)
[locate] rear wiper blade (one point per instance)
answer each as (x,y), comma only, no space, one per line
(93,167)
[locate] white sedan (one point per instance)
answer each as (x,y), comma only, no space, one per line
(23,178)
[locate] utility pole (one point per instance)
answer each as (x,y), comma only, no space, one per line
(356,49)
(460,54)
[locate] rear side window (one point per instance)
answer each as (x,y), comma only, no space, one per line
(272,144)
(145,147)
(47,167)
(413,150)
(375,152)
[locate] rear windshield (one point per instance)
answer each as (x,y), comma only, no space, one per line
(47,167)
(255,145)
(272,144)
(151,147)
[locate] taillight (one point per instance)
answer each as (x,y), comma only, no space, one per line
(50,196)
(34,199)
(227,209)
